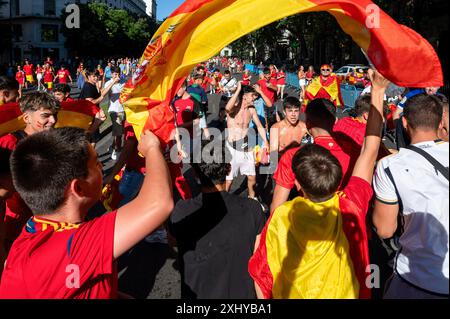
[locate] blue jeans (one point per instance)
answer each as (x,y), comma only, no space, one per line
(130,185)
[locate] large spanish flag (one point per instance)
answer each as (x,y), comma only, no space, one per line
(199,29)
(304,253)
(79,113)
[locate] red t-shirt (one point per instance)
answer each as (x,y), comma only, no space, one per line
(39,70)
(218,77)
(273,74)
(20,77)
(246,79)
(281,78)
(52,260)
(184,109)
(353,130)
(17,212)
(28,69)
(352,127)
(8,141)
(48,76)
(271,94)
(344,150)
(134,162)
(63,75)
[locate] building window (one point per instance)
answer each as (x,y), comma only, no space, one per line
(49,7)
(15,7)
(49,33)
(17,32)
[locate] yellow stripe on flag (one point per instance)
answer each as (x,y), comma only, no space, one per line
(308,252)
(12,126)
(75,119)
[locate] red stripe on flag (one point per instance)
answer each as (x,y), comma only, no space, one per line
(395,50)
(80,106)
(189,6)
(354,228)
(258,266)
(9,112)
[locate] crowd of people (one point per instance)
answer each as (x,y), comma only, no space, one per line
(336,188)
(43,76)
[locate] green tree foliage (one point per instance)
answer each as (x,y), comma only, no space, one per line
(108,32)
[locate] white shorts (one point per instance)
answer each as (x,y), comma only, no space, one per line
(241,161)
(302,82)
(281,85)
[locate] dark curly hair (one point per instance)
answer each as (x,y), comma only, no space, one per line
(215,164)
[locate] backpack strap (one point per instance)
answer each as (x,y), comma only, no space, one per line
(400,217)
(437,166)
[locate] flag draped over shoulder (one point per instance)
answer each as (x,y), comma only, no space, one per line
(78,113)
(331,87)
(304,253)
(199,29)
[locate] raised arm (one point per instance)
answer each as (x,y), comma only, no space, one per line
(365,164)
(153,204)
(231,105)
(258,90)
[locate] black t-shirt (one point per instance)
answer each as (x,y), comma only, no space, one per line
(216,235)
(89,91)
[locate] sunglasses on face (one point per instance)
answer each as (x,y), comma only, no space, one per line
(325,70)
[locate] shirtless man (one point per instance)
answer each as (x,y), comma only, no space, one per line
(240,111)
(290,130)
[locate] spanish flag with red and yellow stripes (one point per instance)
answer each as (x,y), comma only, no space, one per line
(329,89)
(199,29)
(311,250)
(79,113)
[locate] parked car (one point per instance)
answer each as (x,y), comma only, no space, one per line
(353,74)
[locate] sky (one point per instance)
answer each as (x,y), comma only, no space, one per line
(166,7)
